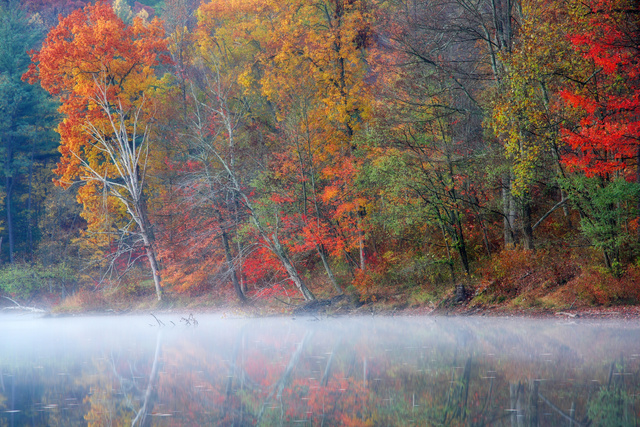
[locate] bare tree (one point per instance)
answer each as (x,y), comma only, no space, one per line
(124,143)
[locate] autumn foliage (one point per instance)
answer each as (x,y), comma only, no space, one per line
(606,140)
(298,149)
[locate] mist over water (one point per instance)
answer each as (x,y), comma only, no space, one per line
(308,371)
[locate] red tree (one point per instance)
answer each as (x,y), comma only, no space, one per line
(607,138)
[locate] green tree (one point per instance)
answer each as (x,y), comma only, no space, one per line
(25,114)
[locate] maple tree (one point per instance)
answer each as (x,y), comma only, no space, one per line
(606,138)
(102,71)
(602,139)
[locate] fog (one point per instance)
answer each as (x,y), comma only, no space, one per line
(175,369)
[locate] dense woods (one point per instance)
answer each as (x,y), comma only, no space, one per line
(300,149)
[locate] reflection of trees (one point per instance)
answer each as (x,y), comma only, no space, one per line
(37,395)
(148,400)
(325,373)
(113,394)
(612,405)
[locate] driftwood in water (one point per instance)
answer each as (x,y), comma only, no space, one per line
(22,307)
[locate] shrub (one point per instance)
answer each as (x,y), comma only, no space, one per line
(25,281)
(600,286)
(513,272)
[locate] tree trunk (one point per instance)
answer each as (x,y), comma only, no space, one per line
(361,238)
(8,205)
(232,268)
(148,237)
(462,246)
(29,206)
(151,256)
(527,230)
(638,182)
(293,273)
(509,212)
(323,256)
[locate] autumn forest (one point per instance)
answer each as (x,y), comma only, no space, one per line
(294,150)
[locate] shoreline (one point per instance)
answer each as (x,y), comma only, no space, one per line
(323,308)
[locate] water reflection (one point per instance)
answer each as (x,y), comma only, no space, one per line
(304,372)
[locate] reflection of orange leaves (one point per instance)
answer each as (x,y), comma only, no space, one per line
(348,420)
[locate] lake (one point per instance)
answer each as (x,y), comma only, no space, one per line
(358,371)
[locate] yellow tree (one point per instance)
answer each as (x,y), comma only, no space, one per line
(103,72)
(527,111)
(300,66)
(315,64)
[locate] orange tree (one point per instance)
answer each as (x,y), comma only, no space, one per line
(102,70)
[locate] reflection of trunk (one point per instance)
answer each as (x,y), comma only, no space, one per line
(515,395)
(572,413)
(466,380)
(231,374)
(458,396)
(327,370)
(533,403)
(147,404)
(572,421)
(278,387)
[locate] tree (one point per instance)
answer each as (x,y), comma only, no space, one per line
(25,110)
(47,12)
(604,144)
(527,110)
(606,140)
(315,76)
(103,72)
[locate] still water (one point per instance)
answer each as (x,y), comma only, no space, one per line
(317,372)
